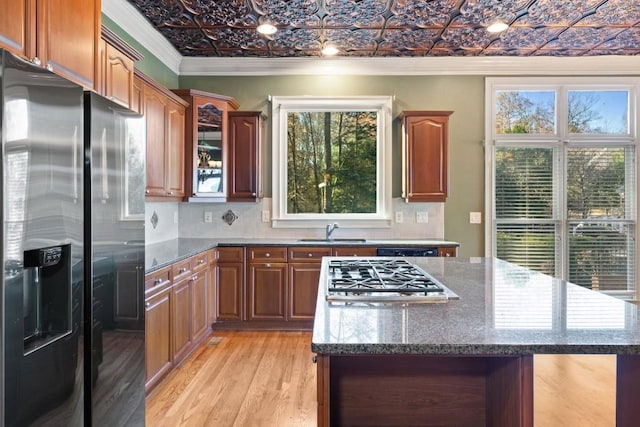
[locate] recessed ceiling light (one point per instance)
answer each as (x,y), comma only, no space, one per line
(329,50)
(497,27)
(266,29)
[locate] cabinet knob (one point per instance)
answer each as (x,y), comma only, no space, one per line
(182,270)
(268,265)
(253,194)
(310,255)
(146,191)
(148,304)
(201,261)
(267,254)
(49,67)
(170,193)
(36,61)
(447,254)
(158,281)
(194,277)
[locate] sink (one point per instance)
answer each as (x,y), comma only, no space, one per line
(333,240)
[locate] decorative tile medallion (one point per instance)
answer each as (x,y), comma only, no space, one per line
(229,217)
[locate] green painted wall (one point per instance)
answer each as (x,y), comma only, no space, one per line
(150,65)
(462,94)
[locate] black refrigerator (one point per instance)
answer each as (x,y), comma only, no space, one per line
(72,325)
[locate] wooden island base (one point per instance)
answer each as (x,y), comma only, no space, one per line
(431,390)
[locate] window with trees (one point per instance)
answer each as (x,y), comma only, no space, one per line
(563,178)
(331,161)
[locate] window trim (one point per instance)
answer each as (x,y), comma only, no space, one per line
(281,106)
(561,85)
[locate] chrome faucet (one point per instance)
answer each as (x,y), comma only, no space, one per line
(329,230)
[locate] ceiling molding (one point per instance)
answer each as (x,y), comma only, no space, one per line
(138,27)
(496,65)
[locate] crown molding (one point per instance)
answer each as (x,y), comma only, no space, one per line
(485,66)
(138,27)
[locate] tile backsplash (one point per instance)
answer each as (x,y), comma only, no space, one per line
(248,222)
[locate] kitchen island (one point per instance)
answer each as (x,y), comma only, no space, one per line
(468,361)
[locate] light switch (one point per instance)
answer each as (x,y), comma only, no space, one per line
(475,217)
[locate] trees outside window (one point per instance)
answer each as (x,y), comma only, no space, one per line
(564,181)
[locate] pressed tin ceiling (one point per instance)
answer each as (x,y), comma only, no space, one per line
(403,28)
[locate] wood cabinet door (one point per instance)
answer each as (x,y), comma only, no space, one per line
(426,158)
(230,295)
(118,76)
(181,319)
(199,303)
(303,290)
(244,155)
(174,160)
(17,27)
(155,106)
(159,355)
(68,32)
(267,291)
(137,96)
(211,292)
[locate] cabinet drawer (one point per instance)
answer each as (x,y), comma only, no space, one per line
(157,281)
(354,251)
(235,254)
(200,261)
(308,254)
(268,254)
(181,269)
(447,252)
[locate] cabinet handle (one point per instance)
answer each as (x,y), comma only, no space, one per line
(170,193)
(267,254)
(310,255)
(194,277)
(182,270)
(158,281)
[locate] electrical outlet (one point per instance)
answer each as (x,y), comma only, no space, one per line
(208,217)
(399,217)
(475,217)
(422,217)
(265,216)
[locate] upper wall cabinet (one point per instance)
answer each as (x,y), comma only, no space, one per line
(114,78)
(61,35)
(207,145)
(165,118)
(245,156)
(425,172)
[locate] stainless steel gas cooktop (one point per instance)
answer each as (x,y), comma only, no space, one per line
(383,280)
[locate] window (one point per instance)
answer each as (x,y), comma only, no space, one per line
(331,161)
(562,186)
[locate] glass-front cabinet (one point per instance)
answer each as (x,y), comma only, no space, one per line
(206,140)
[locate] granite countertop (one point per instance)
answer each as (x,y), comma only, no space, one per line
(503,309)
(162,254)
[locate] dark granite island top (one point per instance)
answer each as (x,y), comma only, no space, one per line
(466,361)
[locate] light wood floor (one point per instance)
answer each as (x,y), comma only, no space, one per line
(268,379)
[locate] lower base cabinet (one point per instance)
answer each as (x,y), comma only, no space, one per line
(159,356)
(303,290)
(180,319)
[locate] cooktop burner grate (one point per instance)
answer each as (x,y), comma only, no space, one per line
(381,279)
